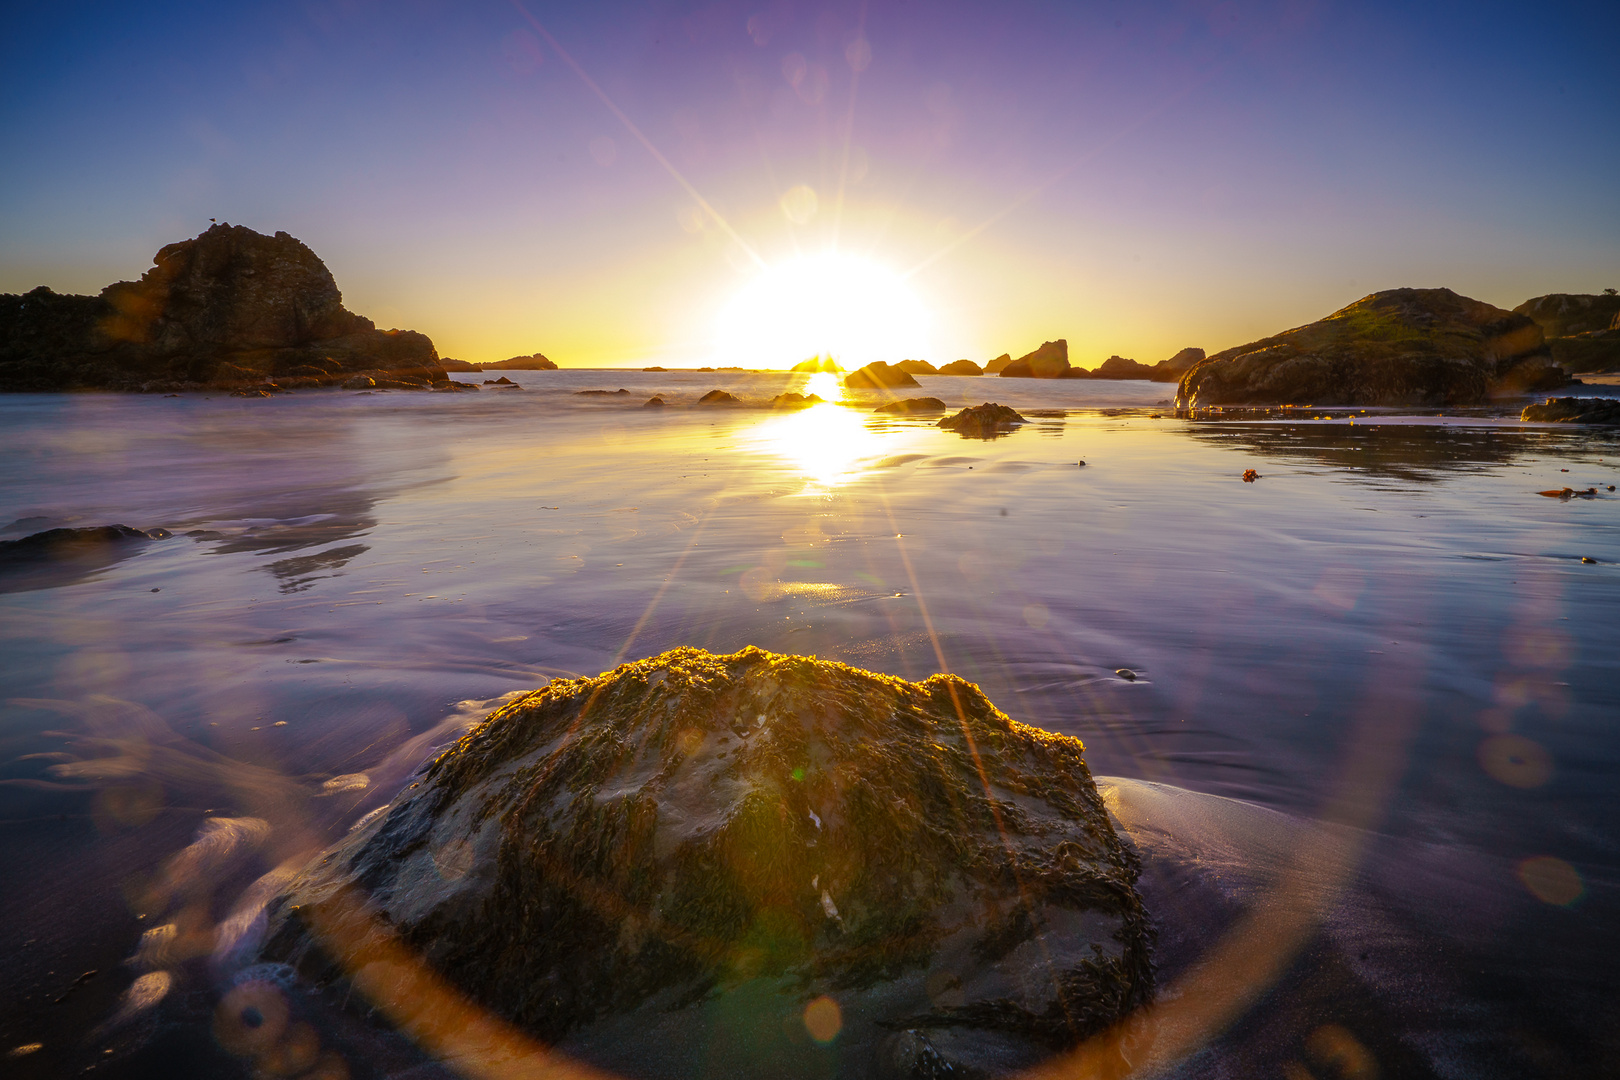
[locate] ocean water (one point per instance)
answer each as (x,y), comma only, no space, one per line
(1365,735)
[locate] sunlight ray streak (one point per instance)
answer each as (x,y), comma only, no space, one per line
(630,126)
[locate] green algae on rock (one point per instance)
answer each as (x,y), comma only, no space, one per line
(605,857)
(1398,347)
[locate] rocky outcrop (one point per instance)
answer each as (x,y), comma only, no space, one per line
(1567,314)
(961,367)
(912,405)
(877,376)
(1574,410)
(1583,331)
(458,365)
(995,366)
(1118,367)
(229,309)
(620,862)
(1173,369)
(984,421)
(917,367)
(532,362)
(1050,361)
(1423,347)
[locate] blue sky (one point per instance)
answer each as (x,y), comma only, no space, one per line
(1133,177)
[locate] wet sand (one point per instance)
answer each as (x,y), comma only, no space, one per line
(1389,636)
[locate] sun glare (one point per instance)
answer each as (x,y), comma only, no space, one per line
(846,306)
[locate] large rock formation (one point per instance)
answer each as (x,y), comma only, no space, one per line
(961,367)
(231,308)
(878,376)
(1583,331)
(1423,347)
(917,367)
(1173,369)
(635,865)
(532,362)
(1050,361)
(994,367)
(1573,410)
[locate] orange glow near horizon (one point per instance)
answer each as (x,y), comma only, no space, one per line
(852,308)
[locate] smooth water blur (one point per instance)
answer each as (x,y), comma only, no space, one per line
(1390,630)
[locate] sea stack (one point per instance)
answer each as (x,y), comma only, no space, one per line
(228,309)
(693,853)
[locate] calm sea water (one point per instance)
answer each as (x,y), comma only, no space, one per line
(1389,637)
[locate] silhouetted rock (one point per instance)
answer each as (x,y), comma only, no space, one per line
(620,864)
(913,405)
(601,393)
(654,402)
(984,421)
(961,367)
(1118,367)
(1050,361)
(1568,314)
(533,362)
(1401,347)
(1574,410)
(995,366)
(229,309)
(878,375)
(718,397)
(917,367)
(458,365)
(1173,369)
(61,556)
(791,400)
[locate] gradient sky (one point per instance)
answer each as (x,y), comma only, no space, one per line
(1133,177)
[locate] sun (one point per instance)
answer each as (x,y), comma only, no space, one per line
(855,309)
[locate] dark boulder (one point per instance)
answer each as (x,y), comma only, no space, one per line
(913,405)
(877,376)
(630,866)
(1423,347)
(917,367)
(984,421)
(718,397)
(654,402)
(229,309)
(61,556)
(1050,361)
(791,400)
(1574,410)
(533,362)
(961,367)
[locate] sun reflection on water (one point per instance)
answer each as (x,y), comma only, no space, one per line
(828,443)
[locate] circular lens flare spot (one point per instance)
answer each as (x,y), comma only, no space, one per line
(1551,880)
(823,1019)
(1515,761)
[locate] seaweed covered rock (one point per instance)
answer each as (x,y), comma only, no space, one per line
(680,866)
(984,421)
(878,376)
(1398,347)
(1574,410)
(230,308)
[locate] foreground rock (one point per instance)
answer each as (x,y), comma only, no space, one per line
(533,362)
(1050,361)
(60,556)
(984,421)
(1574,410)
(1427,347)
(230,309)
(878,376)
(636,866)
(961,367)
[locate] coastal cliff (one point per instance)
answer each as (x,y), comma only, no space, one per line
(230,309)
(1427,347)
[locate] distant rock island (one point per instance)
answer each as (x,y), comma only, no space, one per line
(229,309)
(533,362)
(1427,347)
(1583,330)
(1050,361)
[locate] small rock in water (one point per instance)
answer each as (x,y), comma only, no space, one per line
(654,402)
(718,397)
(1250,476)
(984,421)
(900,859)
(1125,673)
(1588,558)
(912,405)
